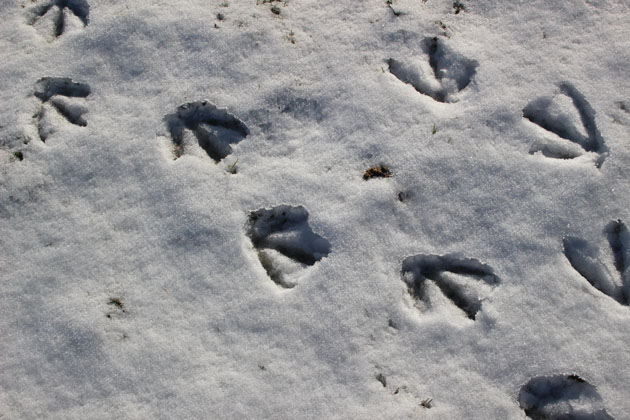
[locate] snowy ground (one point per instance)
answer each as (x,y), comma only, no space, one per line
(186,232)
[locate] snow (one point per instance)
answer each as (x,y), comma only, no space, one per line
(132,286)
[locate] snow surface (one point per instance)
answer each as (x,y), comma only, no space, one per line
(130,288)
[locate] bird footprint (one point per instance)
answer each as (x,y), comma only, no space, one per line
(55,94)
(561,397)
(447,73)
(587,260)
(285,242)
(464,281)
(60,12)
(565,139)
(215,129)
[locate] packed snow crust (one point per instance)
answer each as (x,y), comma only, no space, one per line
(130,283)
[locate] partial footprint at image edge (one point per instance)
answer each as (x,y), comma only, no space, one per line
(285,242)
(584,258)
(561,397)
(79,8)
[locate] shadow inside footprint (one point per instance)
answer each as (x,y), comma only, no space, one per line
(585,258)
(561,398)
(416,270)
(283,233)
(58,93)
(79,8)
(215,129)
(47,87)
(449,72)
(572,142)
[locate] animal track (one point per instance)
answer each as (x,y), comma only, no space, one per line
(78,8)
(56,93)
(416,270)
(118,307)
(561,398)
(214,128)
(285,242)
(570,139)
(586,260)
(447,73)
(378,171)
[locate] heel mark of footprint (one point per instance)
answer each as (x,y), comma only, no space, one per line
(561,397)
(80,8)
(57,93)
(419,269)
(540,112)
(585,259)
(451,72)
(215,129)
(283,233)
